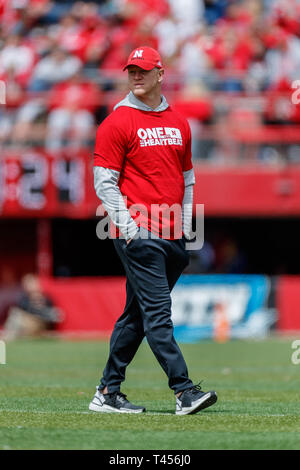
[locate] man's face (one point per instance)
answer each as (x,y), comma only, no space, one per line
(144,82)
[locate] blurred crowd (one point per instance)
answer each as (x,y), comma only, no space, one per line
(62,61)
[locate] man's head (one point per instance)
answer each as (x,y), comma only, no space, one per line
(31,283)
(145,72)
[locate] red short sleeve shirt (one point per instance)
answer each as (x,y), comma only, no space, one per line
(151,150)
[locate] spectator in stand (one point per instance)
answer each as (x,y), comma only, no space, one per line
(131,26)
(69,33)
(283,59)
(15,97)
(71,119)
(177,31)
(56,67)
(233,46)
(28,14)
(256,77)
(17,54)
(33,315)
(95,42)
(96,48)
(231,54)
(188,15)
(29,128)
(167,37)
(194,51)
(80,25)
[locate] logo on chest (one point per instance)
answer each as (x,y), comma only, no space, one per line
(159,136)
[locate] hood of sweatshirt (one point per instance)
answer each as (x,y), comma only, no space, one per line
(132,102)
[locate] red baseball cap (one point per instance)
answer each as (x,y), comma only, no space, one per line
(145,57)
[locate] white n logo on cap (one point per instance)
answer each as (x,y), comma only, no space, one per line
(138,53)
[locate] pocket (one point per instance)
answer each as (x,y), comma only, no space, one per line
(128,245)
(132,243)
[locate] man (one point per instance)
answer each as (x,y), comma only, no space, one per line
(33,314)
(143,161)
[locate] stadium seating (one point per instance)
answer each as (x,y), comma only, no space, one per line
(220,57)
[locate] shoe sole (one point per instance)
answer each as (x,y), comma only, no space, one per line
(109,409)
(207,400)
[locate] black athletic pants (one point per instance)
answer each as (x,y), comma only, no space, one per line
(152,268)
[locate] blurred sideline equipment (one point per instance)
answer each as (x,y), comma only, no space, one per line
(221,324)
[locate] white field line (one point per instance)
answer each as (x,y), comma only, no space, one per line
(75,412)
(246,415)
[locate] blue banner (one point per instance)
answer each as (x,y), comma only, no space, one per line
(213,306)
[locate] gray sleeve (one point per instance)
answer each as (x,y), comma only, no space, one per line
(108,191)
(187,204)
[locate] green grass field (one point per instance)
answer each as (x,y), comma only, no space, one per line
(46,386)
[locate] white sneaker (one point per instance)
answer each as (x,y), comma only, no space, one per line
(115,402)
(193,400)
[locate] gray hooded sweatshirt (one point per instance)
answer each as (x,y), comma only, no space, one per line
(107,189)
